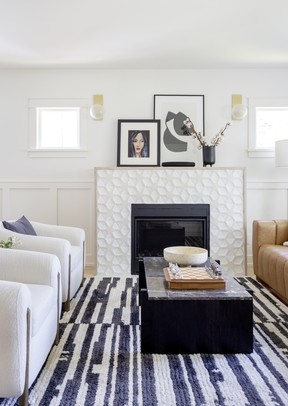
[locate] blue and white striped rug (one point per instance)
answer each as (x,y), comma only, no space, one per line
(98,360)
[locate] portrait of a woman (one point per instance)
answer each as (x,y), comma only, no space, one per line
(138,144)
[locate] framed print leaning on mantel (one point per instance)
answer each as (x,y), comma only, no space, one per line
(138,143)
(172,111)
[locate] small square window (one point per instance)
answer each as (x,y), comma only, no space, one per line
(57,127)
(268,122)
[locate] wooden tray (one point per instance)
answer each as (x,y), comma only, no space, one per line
(193,278)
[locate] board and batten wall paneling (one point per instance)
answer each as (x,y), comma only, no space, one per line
(34,202)
(72,203)
(1,203)
(63,203)
(75,206)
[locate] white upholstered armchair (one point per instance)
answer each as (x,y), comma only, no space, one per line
(30,302)
(67,243)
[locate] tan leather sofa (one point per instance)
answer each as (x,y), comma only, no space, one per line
(270,257)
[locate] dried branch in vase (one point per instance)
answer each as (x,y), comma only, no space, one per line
(189,128)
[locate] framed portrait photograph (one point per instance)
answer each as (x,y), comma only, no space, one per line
(138,143)
(176,144)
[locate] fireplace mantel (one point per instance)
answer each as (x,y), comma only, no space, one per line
(117,188)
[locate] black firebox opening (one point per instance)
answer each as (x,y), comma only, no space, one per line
(157,226)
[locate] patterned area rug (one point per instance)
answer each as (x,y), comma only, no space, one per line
(98,360)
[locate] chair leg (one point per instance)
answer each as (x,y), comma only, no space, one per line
(67,303)
(23,399)
(83,274)
(56,341)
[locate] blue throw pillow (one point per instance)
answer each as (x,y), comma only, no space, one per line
(22,226)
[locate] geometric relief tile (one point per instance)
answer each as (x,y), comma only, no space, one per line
(117,189)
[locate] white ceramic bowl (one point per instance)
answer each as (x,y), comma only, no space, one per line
(185,255)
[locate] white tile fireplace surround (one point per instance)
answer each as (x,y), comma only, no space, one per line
(117,188)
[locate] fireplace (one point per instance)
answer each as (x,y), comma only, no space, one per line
(116,189)
(156,226)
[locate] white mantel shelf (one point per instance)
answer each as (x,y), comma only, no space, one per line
(117,188)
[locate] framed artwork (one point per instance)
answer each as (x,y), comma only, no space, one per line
(172,110)
(138,143)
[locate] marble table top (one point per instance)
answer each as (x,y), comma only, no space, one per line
(157,288)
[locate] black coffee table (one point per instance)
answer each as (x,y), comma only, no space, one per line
(193,321)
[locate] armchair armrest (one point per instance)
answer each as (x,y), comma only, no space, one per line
(55,240)
(273,232)
(264,232)
(76,236)
(270,232)
(15,300)
(57,246)
(29,267)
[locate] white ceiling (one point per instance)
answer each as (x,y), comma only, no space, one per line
(148,34)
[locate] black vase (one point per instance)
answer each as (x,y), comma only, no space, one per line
(208,155)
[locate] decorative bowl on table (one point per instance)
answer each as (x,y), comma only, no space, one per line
(185,255)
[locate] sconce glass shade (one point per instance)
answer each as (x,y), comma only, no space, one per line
(281,153)
(239,111)
(97,111)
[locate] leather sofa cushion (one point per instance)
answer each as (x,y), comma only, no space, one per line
(273,267)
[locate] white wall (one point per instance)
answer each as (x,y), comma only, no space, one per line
(129,94)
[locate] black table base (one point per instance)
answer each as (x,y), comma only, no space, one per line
(195,325)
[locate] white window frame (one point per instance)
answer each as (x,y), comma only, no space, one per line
(253,151)
(34,150)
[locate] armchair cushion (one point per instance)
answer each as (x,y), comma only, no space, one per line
(270,255)
(76,255)
(43,299)
(29,306)
(14,302)
(22,226)
(67,243)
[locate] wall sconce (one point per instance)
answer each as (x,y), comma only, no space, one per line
(97,109)
(281,153)
(239,110)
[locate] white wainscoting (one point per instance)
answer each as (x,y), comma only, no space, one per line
(265,201)
(65,203)
(73,203)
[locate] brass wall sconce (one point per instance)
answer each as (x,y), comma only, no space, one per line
(97,109)
(239,110)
